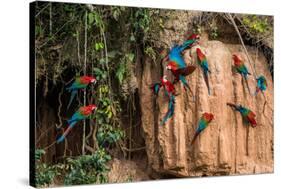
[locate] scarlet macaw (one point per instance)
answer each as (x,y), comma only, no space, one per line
(81,114)
(202,61)
(246,113)
(241,69)
(204,121)
(79,83)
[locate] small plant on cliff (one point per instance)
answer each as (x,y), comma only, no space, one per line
(88,169)
(45,174)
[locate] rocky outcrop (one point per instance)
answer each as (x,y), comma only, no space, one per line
(227,146)
(122,170)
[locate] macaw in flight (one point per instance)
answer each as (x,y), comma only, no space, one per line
(246,113)
(79,83)
(204,121)
(81,114)
(176,63)
(202,61)
(241,69)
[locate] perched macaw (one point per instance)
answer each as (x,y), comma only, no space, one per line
(79,83)
(191,40)
(205,119)
(202,61)
(81,114)
(170,91)
(168,86)
(241,69)
(261,84)
(246,113)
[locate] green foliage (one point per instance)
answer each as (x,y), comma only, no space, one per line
(108,134)
(99,46)
(45,174)
(100,74)
(256,24)
(214,31)
(95,19)
(151,53)
(116,12)
(143,20)
(122,70)
(39,153)
(88,169)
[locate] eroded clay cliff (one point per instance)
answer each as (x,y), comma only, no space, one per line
(227,146)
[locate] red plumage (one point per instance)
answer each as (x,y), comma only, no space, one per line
(251,118)
(193,36)
(168,85)
(87,110)
(200,54)
(237,60)
(87,79)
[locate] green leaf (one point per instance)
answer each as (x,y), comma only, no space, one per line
(131,57)
(91,18)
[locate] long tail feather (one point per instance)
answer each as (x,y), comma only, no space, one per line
(194,138)
(207,81)
(62,137)
(73,94)
(231,105)
(246,80)
(257,91)
(170,111)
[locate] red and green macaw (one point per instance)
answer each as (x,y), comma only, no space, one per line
(170,91)
(241,69)
(81,114)
(181,73)
(261,84)
(79,83)
(202,61)
(168,86)
(176,63)
(204,121)
(246,113)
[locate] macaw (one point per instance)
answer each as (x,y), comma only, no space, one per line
(261,84)
(81,114)
(202,61)
(176,63)
(241,69)
(168,86)
(181,73)
(79,83)
(246,113)
(205,119)
(191,40)
(170,91)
